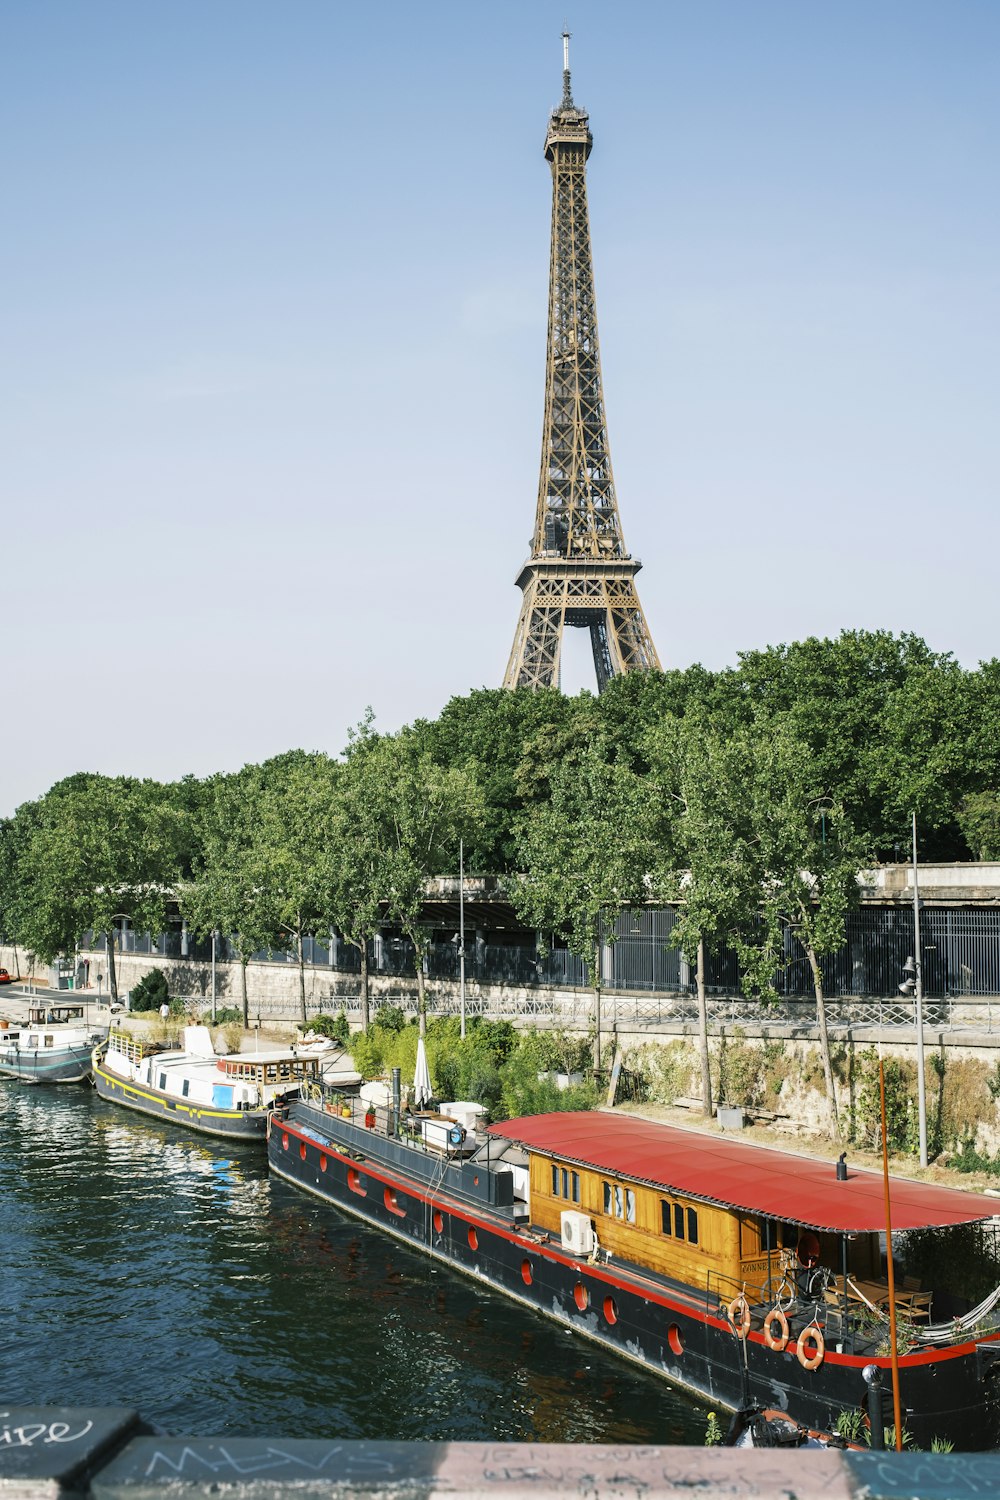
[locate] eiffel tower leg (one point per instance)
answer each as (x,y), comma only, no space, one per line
(534,658)
(631,640)
(604,664)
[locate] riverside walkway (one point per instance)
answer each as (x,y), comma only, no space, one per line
(107,1453)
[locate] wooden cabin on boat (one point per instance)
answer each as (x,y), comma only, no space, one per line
(722,1216)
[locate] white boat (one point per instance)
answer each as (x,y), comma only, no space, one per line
(225,1096)
(54,1045)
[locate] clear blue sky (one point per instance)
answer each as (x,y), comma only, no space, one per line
(274,285)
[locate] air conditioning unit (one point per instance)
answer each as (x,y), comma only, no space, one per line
(577,1232)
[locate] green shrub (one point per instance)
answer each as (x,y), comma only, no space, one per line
(338,1028)
(668,1071)
(151,992)
(226,1013)
(969,1159)
(390,1018)
(524,1093)
(900,1113)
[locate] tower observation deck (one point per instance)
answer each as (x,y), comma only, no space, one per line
(579,572)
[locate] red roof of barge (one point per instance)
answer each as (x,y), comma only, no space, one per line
(756,1179)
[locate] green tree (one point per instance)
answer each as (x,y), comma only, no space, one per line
(979,820)
(584,852)
(98,849)
(349,875)
(426,809)
(229,891)
(808,858)
(290,837)
(505,740)
(706,855)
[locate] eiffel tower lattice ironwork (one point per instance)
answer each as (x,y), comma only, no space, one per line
(579,573)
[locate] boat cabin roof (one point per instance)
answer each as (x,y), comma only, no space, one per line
(737,1175)
(48,1015)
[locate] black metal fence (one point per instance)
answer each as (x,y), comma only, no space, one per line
(960,952)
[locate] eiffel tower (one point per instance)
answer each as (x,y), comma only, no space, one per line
(579,573)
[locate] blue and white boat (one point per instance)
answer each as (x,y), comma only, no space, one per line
(54,1045)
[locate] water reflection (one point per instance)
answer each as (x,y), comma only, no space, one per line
(168,1272)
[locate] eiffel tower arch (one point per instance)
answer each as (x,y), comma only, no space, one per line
(579,573)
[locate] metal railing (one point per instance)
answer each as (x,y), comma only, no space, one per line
(651,981)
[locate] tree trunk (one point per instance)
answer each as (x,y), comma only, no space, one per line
(363,945)
(112,971)
(300,950)
(244,960)
(824,1040)
(421,997)
(706,1071)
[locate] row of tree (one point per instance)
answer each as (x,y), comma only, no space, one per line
(751,798)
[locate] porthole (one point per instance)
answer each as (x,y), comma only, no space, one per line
(526,1275)
(674,1339)
(581,1296)
(284,1141)
(610,1310)
(473,1240)
(393,1204)
(302,1150)
(322,1163)
(356,1182)
(438,1221)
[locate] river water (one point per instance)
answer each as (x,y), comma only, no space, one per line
(149,1268)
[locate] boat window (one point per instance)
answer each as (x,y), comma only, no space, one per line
(186,1087)
(565,1184)
(679,1222)
(49,1040)
(163,1080)
(619,1201)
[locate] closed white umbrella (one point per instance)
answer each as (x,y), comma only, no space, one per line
(421,1076)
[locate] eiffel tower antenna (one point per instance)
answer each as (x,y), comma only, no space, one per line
(579,573)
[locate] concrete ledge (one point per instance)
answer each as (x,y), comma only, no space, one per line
(107,1453)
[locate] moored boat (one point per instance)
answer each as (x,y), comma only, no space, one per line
(227,1096)
(745,1274)
(54,1045)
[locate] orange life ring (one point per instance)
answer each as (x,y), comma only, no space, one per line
(814,1336)
(807,1250)
(773,1342)
(739,1315)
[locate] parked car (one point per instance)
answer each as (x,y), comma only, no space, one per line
(5,977)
